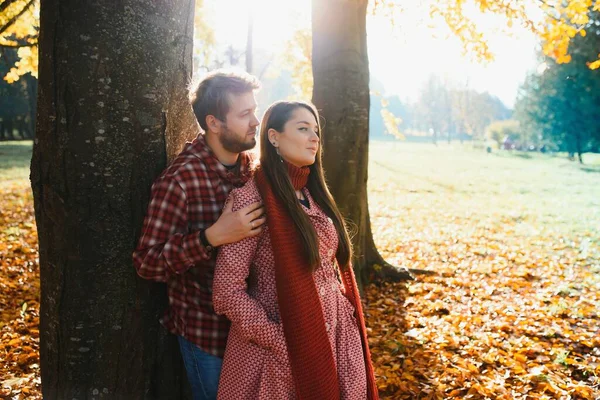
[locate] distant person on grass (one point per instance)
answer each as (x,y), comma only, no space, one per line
(184,224)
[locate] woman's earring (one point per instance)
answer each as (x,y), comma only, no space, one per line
(279,154)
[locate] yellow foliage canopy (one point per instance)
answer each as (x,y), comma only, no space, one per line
(19,27)
(297,56)
(560,22)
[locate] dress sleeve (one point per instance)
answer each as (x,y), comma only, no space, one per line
(231,298)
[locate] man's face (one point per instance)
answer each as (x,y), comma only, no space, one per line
(238,131)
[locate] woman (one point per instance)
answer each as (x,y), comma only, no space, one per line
(297,325)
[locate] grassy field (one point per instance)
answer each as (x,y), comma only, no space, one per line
(511,312)
(14,161)
(449,188)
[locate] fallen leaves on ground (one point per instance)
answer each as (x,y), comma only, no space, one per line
(513,322)
(513,312)
(19,294)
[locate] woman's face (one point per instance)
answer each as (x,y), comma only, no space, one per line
(299,142)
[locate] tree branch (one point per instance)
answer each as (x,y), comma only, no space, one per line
(18,45)
(16,17)
(6,4)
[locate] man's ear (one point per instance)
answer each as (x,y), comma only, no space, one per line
(212,123)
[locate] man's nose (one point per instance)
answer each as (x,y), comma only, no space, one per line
(255,121)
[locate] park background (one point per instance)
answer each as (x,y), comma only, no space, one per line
(484,177)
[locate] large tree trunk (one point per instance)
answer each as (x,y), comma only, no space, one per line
(341,92)
(111,110)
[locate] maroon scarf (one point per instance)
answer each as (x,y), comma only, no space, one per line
(309,349)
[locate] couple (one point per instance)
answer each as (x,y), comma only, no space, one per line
(256,258)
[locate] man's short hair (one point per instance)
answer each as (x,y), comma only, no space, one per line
(211,96)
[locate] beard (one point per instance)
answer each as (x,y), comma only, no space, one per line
(233,143)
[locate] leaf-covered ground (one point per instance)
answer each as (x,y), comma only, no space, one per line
(512,312)
(19,293)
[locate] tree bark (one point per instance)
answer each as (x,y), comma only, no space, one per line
(341,93)
(112,108)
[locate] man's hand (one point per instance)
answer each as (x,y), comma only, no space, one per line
(233,226)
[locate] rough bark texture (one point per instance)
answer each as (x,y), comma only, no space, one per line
(111,109)
(341,93)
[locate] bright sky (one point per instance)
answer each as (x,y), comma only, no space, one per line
(401,58)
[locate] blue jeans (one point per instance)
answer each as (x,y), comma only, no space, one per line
(203,370)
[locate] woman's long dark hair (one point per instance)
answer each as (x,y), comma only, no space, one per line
(278,114)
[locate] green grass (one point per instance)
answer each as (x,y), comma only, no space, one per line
(14,160)
(538,191)
(443,191)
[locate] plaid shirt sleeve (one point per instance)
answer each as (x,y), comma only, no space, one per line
(165,246)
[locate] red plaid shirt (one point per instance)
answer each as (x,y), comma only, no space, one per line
(187,197)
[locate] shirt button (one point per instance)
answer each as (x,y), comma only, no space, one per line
(327,326)
(333,286)
(322,291)
(330,253)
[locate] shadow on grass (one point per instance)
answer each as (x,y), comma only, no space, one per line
(526,156)
(595,169)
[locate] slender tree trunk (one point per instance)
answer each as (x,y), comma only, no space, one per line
(10,128)
(21,128)
(341,92)
(249,38)
(111,109)
(578,147)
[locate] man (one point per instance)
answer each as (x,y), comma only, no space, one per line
(184,224)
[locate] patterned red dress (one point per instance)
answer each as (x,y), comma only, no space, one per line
(256,364)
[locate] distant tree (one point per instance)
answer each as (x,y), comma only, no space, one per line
(17,102)
(297,58)
(561,103)
(483,109)
(204,40)
(248,55)
(444,111)
(433,107)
